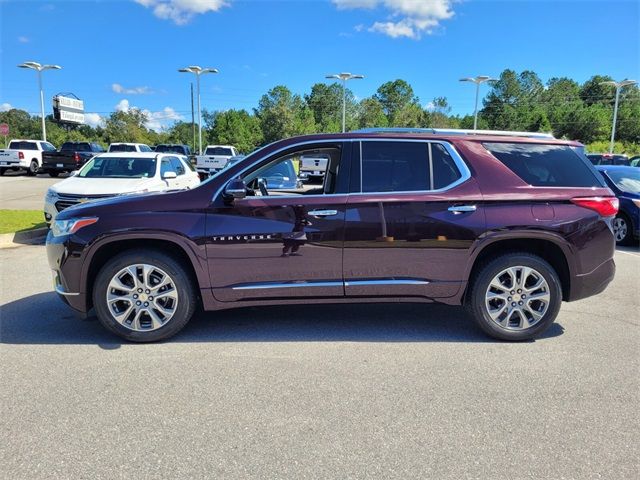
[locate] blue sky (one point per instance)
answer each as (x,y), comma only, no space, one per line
(125,53)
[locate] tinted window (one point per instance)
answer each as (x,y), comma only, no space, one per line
(145,148)
(445,171)
(47,147)
(166,166)
(119,167)
(395,166)
(546,165)
(172,149)
(218,151)
(27,146)
(178,167)
(122,148)
(627,180)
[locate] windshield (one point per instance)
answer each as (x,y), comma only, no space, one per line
(218,151)
(170,149)
(626,180)
(119,167)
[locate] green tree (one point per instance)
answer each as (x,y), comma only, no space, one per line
(238,128)
(371,114)
(325,101)
(128,126)
(395,96)
(283,114)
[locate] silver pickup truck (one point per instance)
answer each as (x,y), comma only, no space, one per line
(313,167)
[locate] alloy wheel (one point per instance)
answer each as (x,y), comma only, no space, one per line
(517,298)
(142,297)
(620,228)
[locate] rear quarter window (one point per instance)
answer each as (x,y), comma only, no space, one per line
(542,165)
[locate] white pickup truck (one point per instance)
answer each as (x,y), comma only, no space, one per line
(215,158)
(28,154)
(313,167)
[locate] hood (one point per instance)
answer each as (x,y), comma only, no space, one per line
(101,186)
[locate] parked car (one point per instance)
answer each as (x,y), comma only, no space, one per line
(233,160)
(625,183)
(313,167)
(115,174)
(607,159)
(129,147)
(9,160)
(215,158)
(72,155)
(28,154)
(507,225)
(176,148)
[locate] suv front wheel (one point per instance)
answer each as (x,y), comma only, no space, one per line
(515,297)
(144,296)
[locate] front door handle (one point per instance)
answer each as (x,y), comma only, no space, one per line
(323,213)
(458,209)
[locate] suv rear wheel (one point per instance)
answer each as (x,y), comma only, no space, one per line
(144,296)
(515,297)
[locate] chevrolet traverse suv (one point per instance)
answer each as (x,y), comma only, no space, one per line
(507,224)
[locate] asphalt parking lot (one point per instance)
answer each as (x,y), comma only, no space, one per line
(378,391)
(20,192)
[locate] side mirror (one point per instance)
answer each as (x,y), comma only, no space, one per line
(169,175)
(235,190)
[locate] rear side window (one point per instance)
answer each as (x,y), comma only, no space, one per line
(177,166)
(395,166)
(546,165)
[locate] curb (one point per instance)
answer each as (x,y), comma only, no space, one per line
(29,237)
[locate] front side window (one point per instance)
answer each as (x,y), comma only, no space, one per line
(119,167)
(47,147)
(166,167)
(145,148)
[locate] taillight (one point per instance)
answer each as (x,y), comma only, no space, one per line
(21,155)
(605,206)
(76,157)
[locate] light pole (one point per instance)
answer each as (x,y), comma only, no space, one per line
(619,86)
(477,80)
(197,71)
(40,68)
(344,77)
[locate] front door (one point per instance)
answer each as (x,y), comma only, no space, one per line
(412,221)
(285,238)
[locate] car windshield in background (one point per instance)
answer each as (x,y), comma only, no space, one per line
(626,180)
(608,159)
(546,165)
(170,149)
(119,167)
(218,151)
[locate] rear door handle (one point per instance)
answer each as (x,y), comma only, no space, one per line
(323,213)
(457,209)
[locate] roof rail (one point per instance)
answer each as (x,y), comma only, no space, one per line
(456,131)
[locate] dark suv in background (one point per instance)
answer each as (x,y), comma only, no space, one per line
(507,224)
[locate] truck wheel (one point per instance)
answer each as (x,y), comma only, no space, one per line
(515,297)
(33,168)
(54,174)
(144,296)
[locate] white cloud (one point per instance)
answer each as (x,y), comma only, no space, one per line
(117,88)
(407,18)
(5,107)
(93,119)
(182,12)
(155,120)
(122,106)
(23,39)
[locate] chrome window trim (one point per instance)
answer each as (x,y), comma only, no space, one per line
(457,159)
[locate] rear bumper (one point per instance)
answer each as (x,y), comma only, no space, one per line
(592,283)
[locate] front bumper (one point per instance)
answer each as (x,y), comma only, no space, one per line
(60,261)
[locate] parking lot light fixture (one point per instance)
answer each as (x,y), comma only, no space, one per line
(619,86)
(477,80)
(344,77)
(40,68)
(197,71)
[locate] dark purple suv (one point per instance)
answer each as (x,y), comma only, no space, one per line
(506,225)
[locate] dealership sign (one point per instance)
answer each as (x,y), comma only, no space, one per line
(68,110)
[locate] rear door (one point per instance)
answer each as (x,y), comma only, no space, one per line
(410,221)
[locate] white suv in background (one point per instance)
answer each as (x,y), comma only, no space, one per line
(29,154)
(120,173)
(129,147)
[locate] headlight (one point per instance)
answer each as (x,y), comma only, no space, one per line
(50,196)
(69,227)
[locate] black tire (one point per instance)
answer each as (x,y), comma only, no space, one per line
(627,239)
(480,284)
(53,174)
(184,284)
(33,168)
